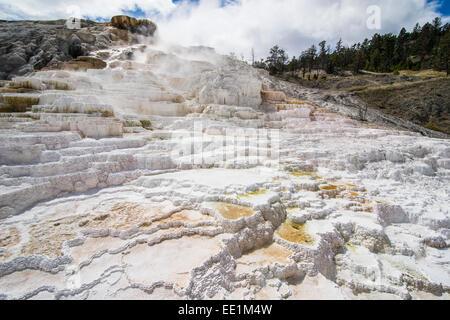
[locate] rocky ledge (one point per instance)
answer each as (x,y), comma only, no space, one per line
(26,46)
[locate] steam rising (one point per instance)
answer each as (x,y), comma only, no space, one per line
(156,78)
(242,25)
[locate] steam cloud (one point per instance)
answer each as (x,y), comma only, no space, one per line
(240,25)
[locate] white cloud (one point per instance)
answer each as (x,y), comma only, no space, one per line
(57,9)
(293,24)
(243,24)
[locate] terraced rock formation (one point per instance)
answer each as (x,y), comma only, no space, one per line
(178,173)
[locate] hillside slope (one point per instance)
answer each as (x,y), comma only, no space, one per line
(415,101)
(426,103)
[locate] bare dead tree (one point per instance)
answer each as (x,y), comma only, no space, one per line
(253,57)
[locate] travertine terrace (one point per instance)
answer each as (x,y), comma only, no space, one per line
(178,173)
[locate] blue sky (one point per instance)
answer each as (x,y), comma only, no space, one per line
(444,7)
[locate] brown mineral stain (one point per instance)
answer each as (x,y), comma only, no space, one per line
(124,216)
(47,237)
(351,185)
(252,194)
(275,252)
(9,237)
(234,212)
(368,206)
(294,232)
(189,216)
(303,174)
(270,254)
(127,208)
(329,187)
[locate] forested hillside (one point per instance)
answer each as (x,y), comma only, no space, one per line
(425,47)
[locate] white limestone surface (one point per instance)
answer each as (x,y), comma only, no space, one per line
(164,176)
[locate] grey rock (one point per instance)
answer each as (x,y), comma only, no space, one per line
(12,61)
(26,46)
(86,37)
(26,69)
(75,48)
(389,214)
(436,242)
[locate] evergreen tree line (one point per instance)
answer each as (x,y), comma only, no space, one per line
(426,47)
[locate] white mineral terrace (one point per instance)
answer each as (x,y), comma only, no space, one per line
(165,177)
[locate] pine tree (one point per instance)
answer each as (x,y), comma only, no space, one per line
(437,25)
(323,55)
(444,52)
(312,52)
(276,62)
